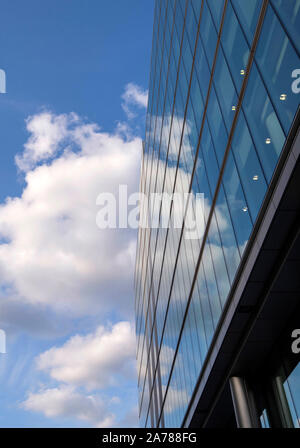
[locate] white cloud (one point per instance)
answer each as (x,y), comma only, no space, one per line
(175,399)
(94,361)
(47,131)
(16,316)
(133,97)
(53,253)
(64,401)
(55,263)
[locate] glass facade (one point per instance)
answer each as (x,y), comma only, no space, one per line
(220,108)
(292,391)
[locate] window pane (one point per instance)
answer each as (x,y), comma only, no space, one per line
(235,47)
(292,390)
(216,8)
(217,126)
(224,222)
(249,168)
(277,59)
(248,13)
(219,262)
(289,13)
(208,34)
(191,26)
(197,8)
(237,203)
(265,128)
(225,90)
(205,305)
(202,69)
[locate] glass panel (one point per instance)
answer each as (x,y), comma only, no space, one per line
(202,69)
(289,13)
(208,34)
(235,47)
(213,293)
(208,152)
(197,8)
(191,26)
(217,126)
(249,168)
(228,238)
(264,419)
(277,59)
(265,128)
(248,13)
(199,318)
(237,203)
(205,305)
(219,262)
(292,390)
(225,90)
(216,8)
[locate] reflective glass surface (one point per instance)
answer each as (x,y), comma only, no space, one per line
(292,391)
(199,62)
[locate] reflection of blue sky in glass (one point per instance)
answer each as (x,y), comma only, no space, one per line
(256,146)
(292,390)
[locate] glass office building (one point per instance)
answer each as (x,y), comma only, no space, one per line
(217,314)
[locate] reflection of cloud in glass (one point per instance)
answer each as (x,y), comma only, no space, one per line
(175,398)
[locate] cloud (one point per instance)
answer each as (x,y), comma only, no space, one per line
(64,401)
(175,398)
(103,360)
(59,271)
(134,97)
(131,419)
(52,253)
(95,361)
(47,131)
(16,316)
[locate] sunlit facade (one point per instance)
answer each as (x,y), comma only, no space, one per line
(214,314)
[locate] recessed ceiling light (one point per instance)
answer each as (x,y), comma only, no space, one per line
(255,177)
(283,97)
(245,209)
(268,141)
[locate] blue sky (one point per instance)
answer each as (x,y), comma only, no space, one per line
(77,74)
(69,56)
